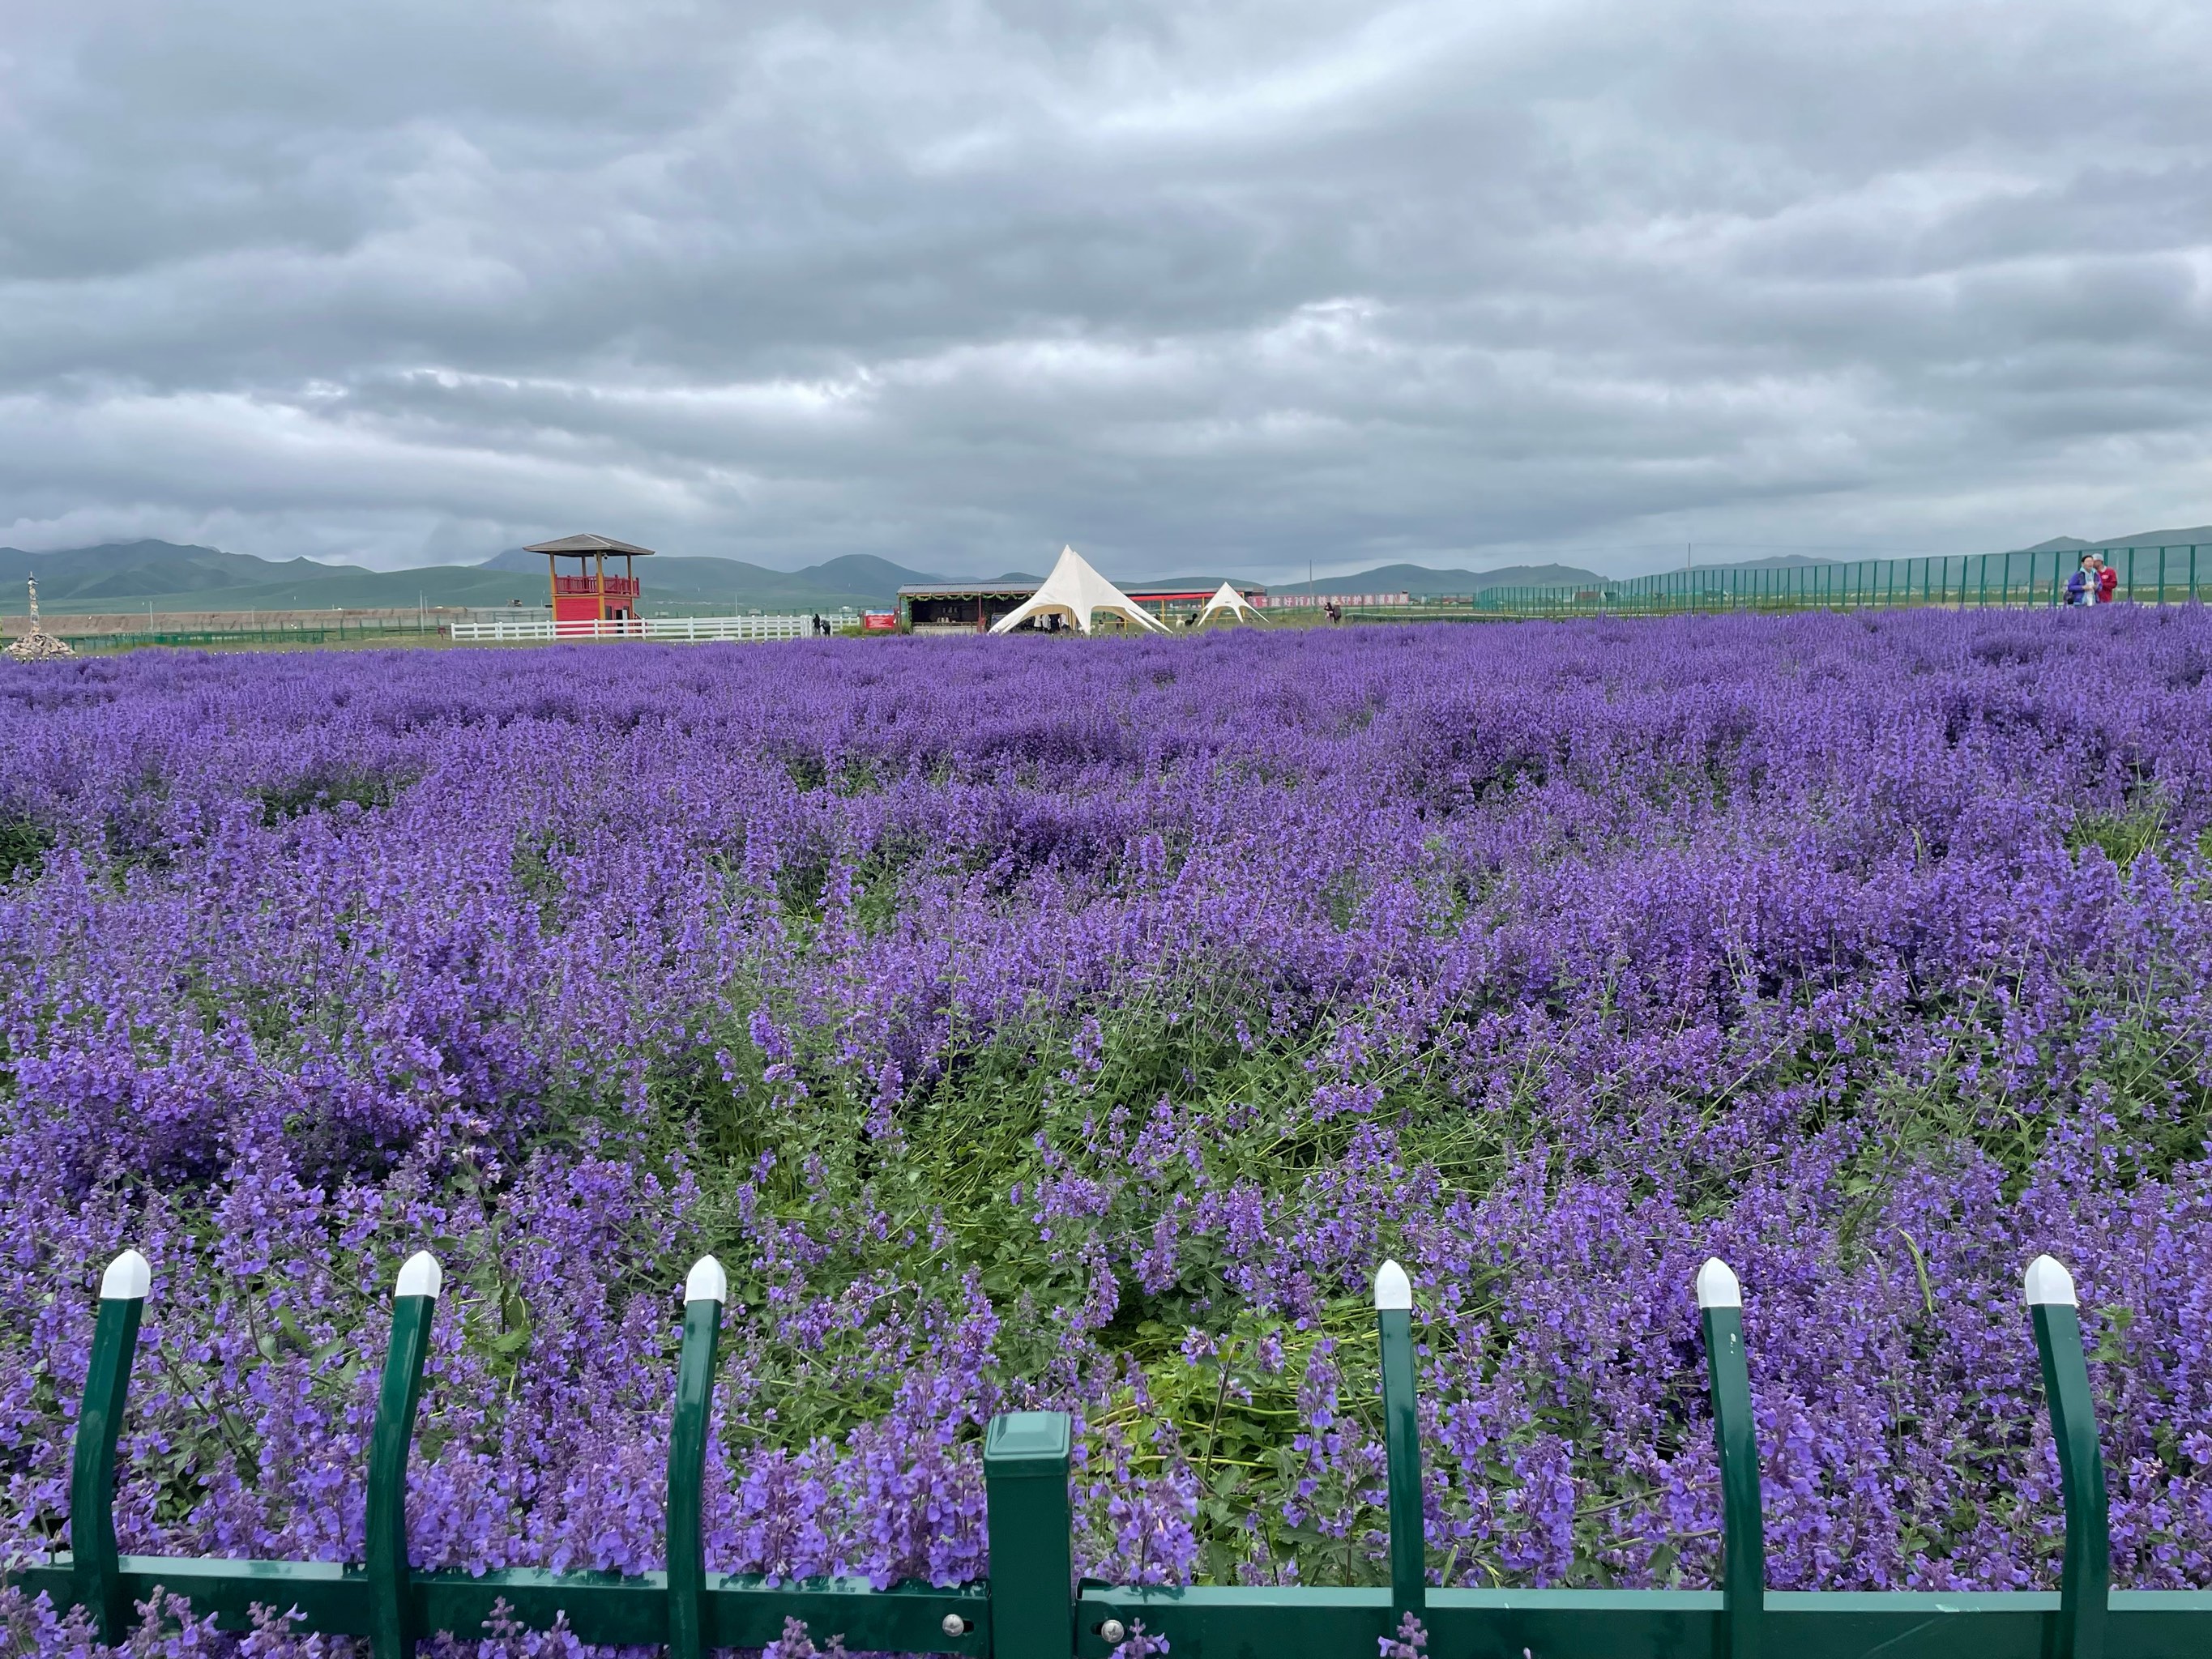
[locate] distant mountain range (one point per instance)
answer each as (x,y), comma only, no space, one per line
(133,576)
(126,574)
(117,576)
(1771,562)
(2201,535)
(1420,578)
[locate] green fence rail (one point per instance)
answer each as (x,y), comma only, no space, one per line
(1973,581)
(1032,1607)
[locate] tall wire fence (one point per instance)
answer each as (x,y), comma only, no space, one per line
(2147,575)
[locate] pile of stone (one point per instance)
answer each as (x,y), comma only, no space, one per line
(37,645)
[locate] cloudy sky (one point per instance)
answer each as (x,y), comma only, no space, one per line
(1237,286)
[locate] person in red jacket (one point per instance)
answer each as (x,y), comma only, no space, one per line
(2108,582)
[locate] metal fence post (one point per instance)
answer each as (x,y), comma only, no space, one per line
(98,1422)
(2086,1578)
(1401,1435)
(1031,1535)
(705,1289)
(1743,1556)
(391,1634)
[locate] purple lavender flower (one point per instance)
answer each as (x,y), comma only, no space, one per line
(1077,1029)
(1411,1642)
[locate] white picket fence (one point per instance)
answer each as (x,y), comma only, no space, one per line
(1314,601)
(692,630)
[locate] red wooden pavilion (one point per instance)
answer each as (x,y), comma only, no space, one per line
(591,595)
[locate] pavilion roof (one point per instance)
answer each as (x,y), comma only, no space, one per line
(587,543)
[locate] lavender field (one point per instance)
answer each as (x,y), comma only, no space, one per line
(1041,1022)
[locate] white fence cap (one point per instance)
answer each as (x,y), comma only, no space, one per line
(707,1282)
(1392,1288)
(1717,1285)
(2048,1283)
(421,1275)
(127,1278)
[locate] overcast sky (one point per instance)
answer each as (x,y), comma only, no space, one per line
(1186,285)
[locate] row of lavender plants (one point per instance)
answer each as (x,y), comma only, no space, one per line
(1029,1023)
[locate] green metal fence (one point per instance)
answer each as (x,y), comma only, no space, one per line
(1032,1607)
(2148,575)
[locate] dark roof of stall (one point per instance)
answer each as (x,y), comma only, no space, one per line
(1175,587)
(966,590)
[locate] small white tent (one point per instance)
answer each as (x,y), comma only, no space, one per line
(1228,602)
(1076,592)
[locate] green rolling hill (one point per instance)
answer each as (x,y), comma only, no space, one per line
(124,576)
(168,576)
(1420,579)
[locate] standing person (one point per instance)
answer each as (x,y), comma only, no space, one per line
(2080,589)
(2108,581)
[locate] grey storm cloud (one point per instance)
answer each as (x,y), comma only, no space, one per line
(1237,285)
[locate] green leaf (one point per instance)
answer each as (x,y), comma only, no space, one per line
(2111,1339)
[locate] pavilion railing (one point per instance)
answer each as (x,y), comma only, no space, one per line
(1032,1607)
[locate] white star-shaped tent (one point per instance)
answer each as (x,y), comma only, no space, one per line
(1078,593)
(1228,603)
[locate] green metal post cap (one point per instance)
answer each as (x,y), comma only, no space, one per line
(1027,1443)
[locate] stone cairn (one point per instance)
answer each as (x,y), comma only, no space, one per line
(37,645)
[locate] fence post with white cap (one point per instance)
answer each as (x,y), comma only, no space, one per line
(1743,1536)
(2084,1579)
(99,1423)
(706,1288)
(1031,1526)
(1401,1438)
(391,1632)
(1031,1609)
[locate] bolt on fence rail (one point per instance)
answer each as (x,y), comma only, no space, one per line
(1032,1607)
